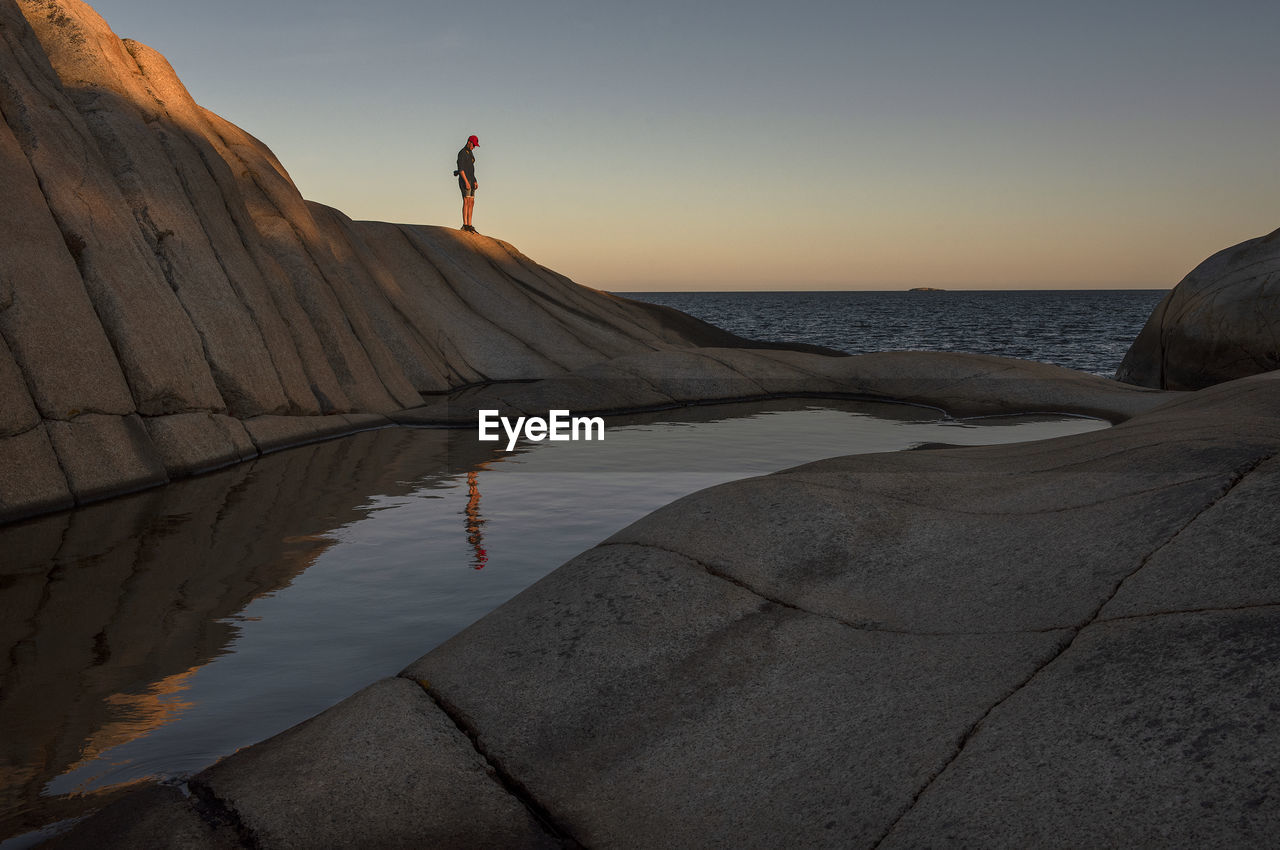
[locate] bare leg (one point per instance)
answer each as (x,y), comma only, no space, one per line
(468,204)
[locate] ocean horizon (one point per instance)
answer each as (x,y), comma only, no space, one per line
(1084,329)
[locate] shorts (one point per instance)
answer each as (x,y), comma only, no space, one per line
(466,193)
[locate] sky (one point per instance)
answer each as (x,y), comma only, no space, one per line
(800,145)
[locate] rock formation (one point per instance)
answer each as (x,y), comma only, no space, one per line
(1055,644)
(1221,322)
(169,303)
(1064,643)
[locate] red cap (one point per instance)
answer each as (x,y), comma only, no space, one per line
(473,140)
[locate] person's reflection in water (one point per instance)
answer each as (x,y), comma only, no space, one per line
(474,521)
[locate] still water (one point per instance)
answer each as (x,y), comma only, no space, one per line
(147,636)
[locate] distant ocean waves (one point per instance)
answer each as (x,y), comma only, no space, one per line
(1087,330)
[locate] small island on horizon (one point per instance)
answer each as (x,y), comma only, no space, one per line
(925,289)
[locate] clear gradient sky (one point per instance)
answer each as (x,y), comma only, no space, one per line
(783,145)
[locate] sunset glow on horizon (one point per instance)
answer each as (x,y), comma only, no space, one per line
(747,145)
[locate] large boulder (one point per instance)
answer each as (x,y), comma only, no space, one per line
(1220,323)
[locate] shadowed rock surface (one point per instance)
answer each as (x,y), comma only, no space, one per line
(961,384)
(109,611)
(1063,643)
(169,303)
(1220,323)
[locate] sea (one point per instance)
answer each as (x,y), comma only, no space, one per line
(1086,330)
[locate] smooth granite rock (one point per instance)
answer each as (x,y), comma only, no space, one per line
(672,666)
(923,542)
(1220,323)
(31,479)
(272,433)
(1150,732)
(438,319)
(292,335)
(384,768)
(43,303)
(367,421)
(158,348)
(638,697)
(213,193)
(329,291)
(380,294)
(19,413)
(966,385)
(163,179)
(871,551)
(975,384)
(189,443)
(1213,562)
(154,818)
(105,455)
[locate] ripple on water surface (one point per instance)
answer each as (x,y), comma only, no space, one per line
(148,636)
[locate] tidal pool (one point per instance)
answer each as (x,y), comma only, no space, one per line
(147,636)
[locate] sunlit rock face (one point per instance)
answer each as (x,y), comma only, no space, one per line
(1220,323)
(156,261)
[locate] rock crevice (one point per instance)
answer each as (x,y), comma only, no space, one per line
(499,773)
(1237,477)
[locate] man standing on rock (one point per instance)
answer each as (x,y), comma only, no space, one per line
(467,181)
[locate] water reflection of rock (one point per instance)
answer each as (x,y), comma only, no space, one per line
(107,610)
